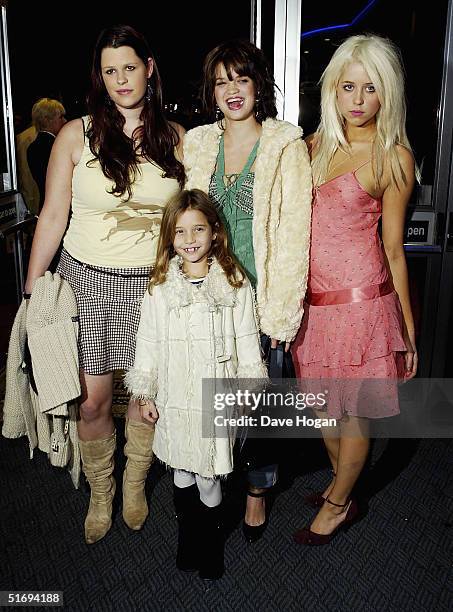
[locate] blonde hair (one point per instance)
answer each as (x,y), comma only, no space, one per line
(44,111)
(381,60)
(193,199)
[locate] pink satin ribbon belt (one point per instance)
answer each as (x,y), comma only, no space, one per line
(348,296)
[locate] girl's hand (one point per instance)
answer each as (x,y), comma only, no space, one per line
(274,344)
(148,411)
(410,356)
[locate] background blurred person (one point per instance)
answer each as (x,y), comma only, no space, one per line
(26,183)
(48,117)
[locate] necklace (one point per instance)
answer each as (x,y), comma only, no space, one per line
(187,276)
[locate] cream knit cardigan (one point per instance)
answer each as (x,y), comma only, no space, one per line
(282,196)
(52,336)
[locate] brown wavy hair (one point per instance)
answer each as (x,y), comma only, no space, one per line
(194,199)
(115,151)
(246,59)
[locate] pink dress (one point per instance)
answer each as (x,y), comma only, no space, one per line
(352,327)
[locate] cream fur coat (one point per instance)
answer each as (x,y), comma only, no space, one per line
(282,196)
(187,334)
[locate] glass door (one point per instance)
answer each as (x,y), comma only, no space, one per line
(442,362)
(8,179)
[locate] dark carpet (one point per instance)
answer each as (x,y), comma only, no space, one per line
(399,556)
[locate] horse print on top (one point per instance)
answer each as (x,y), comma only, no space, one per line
(135,217)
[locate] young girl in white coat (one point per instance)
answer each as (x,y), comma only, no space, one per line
(197,322)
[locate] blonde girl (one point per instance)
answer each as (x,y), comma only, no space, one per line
(197,321)
(358,321)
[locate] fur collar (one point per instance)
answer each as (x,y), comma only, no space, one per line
(276,134)
(201,146)
(214,291)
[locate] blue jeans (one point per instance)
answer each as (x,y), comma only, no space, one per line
(264,477)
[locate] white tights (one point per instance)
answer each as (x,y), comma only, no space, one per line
(209,488)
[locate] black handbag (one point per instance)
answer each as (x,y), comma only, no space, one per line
(252,453)
(279,363)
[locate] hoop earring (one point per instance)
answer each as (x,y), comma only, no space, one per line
(258,110)
(149,91)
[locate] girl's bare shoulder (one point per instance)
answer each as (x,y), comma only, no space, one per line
(70,140)
(406,158)
(72,131)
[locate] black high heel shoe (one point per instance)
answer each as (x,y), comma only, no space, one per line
(307,537)
(253,533)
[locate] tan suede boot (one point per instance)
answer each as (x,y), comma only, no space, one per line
(97,463)
(139,453)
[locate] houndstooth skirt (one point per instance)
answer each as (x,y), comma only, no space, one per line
(108,300)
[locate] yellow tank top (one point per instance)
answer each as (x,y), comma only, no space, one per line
(104,230)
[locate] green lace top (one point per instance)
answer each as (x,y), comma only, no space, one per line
(233,196)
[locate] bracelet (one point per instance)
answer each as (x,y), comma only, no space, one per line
(26,296)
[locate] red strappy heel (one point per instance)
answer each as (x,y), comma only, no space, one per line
(307,537)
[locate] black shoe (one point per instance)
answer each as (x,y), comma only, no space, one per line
(187,502)
(253,533)
(212,543)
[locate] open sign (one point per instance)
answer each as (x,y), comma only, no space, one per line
(419,228)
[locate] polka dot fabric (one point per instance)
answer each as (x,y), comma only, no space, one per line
(355,340)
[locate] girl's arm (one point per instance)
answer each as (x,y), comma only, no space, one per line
(394,205)
(142,379)
(53,219)
(248,347)
(287,280)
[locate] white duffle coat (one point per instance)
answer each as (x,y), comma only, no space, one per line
(186,334)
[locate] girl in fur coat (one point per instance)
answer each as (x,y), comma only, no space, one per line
(197,322)
(257,172)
